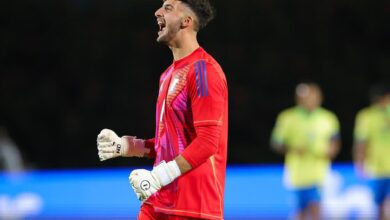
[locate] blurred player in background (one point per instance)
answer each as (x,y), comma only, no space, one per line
(190,144)
(308,136)
(372,145)
(11,159)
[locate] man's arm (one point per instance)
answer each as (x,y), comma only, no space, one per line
(359,155)
(110,145)
(278,147)
(361,136)
(334,148)
(208,92)
(149,144)
(145,183)
(203,146)
(183,164)
(278,134)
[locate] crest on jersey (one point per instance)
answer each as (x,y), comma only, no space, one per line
(178,82)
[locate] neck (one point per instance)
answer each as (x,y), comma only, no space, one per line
(381,105)
(184,47)
(308,110)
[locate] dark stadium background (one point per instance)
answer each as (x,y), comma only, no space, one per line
(70,68)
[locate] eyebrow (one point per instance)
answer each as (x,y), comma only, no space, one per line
(165,1)
(167,4)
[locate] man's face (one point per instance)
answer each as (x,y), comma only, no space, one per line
(309,96)
(385,100)
(388,103)
(169,19)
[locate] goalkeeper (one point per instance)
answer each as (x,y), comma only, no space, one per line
(190,143)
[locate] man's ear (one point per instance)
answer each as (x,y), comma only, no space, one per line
(187,21)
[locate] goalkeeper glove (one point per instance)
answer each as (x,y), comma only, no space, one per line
(110,145)
(145,183)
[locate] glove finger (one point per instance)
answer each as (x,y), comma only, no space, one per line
(103,138)
(104,134)
(106,146)
(102,146)
(133,174)
(101,157)
(106,149)
(106,156)
(140,196)
(109,155)
(104,141)
(136,190)
(133,183)
(101,135)
(133,178)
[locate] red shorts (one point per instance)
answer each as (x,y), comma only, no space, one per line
(147,212)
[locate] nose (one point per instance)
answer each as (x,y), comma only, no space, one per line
(158,13)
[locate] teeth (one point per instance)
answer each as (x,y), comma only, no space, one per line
(161,25)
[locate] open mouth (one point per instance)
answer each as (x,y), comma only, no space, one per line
(161,25)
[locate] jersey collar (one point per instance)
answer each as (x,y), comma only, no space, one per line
(188,58)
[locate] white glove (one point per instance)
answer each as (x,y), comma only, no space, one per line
(110,145)
(145,183)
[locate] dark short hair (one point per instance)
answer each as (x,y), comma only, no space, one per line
(307,84)
(378,90)
(203,9)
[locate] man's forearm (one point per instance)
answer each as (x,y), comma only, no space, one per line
(183,164)
(278,147)
(333,149)
(203,146)
(149,143)
(359,153)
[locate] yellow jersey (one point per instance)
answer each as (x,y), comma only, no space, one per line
(372,127)
(311,132)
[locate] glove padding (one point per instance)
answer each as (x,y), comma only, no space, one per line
(110,146)
(145,183)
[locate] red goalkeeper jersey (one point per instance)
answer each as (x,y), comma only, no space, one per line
(193,96)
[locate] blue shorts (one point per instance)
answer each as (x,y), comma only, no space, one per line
(381,189)
(305,196)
